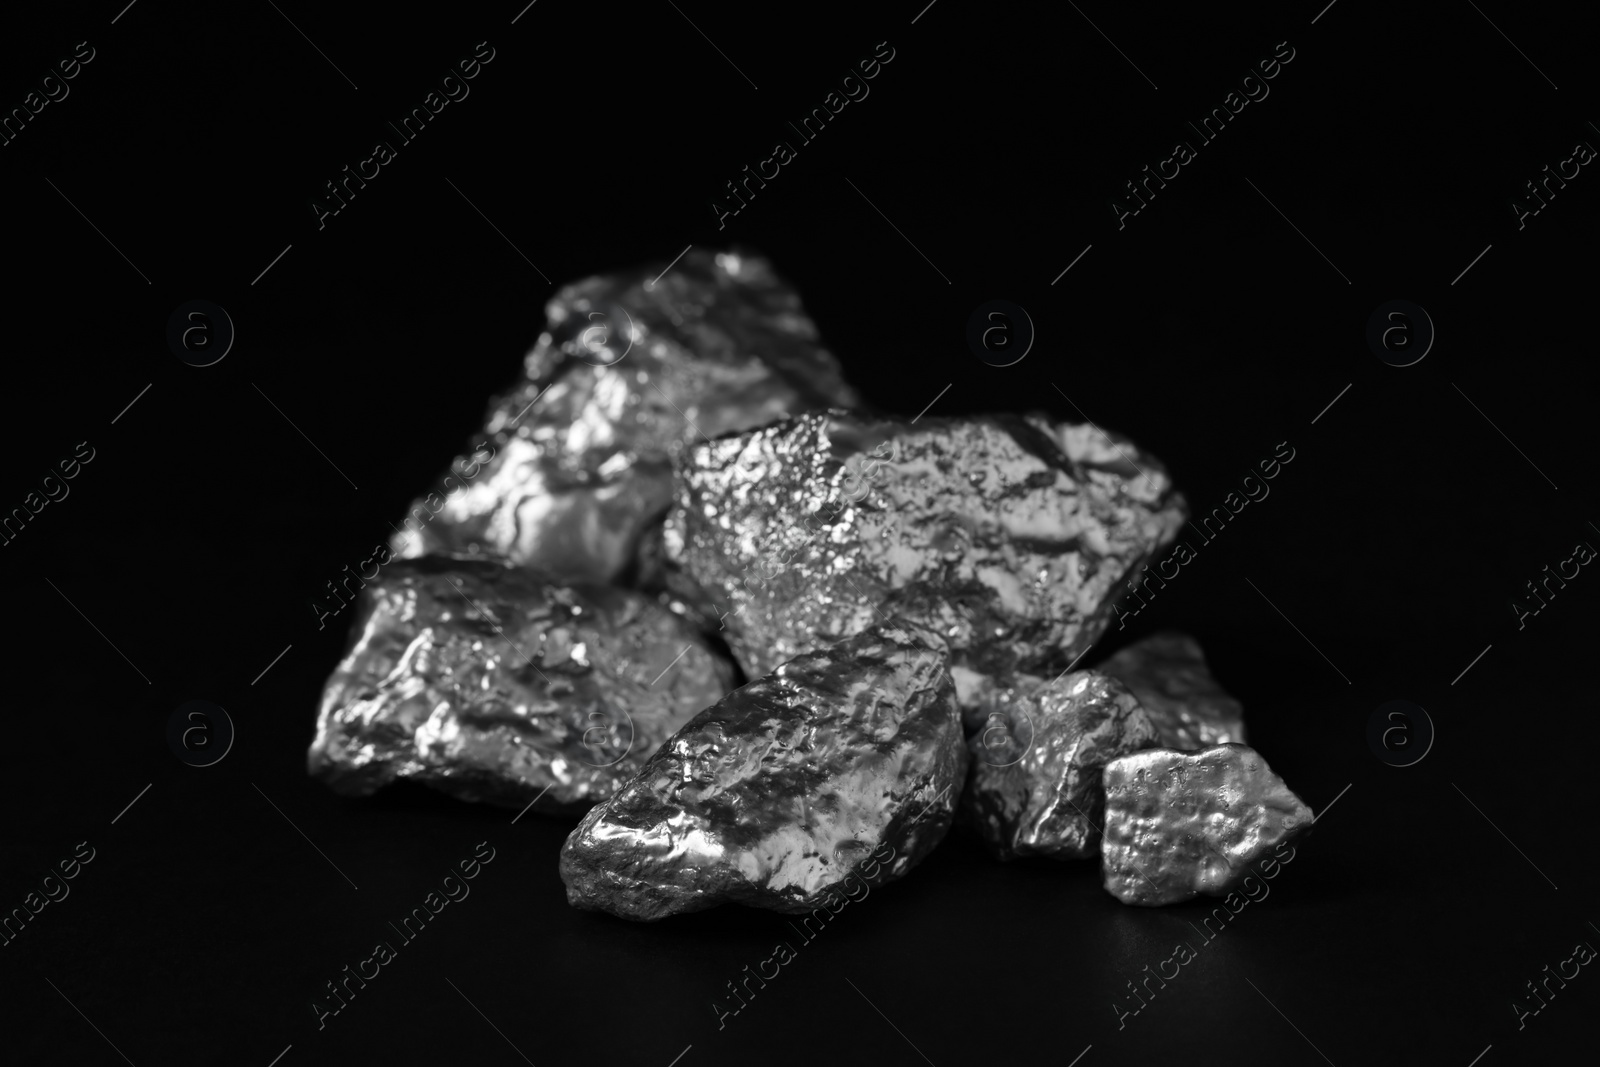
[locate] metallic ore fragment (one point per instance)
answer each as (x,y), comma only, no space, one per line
(1034,789)
(772,796)
(625,375)
(1168,673)
(1180,824)
(979,528)
(1111,461)
(488,683)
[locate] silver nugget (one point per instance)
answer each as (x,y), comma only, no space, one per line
(489,683)
(1179,824)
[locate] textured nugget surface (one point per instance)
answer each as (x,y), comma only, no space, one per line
(1179,824)
(1034,788)
(981,529)
(489,683)
(572,472)
(1168,673)
(776,794)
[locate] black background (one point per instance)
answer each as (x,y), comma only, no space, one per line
(1208,328)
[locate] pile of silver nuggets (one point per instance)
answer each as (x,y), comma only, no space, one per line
(749,632)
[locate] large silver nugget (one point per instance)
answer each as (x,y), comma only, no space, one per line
(1034,788)
(840,760)
(628,371)
(490,684)
(980,528)
(1168,673)
(1179,824)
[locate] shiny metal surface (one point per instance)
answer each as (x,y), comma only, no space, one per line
(1179,824)
(1113,463)
(628,371)
(980,528)
(1168,673)
(1034,788)
(774,795)
(486,682)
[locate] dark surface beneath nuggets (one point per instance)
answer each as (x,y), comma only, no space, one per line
(1208,329)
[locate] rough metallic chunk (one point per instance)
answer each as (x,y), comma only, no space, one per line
(1111,461)
(490,684)
(845,760)
(1179,824)
(1034,788)
(572,468)
(1168,673)
(980,528)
